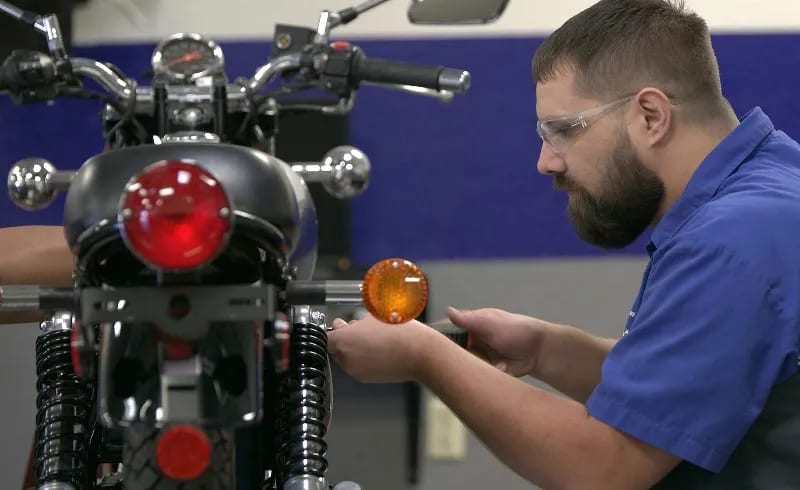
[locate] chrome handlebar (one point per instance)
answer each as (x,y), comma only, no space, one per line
(266,73)
(125,88)
(105,76)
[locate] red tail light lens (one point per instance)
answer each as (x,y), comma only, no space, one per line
(176,215)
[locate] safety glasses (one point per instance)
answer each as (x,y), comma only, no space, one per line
(561,132)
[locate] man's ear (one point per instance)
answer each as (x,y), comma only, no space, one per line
(654,115)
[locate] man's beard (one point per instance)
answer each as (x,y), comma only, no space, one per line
(630,199)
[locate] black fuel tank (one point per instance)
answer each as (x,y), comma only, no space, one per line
(259,185)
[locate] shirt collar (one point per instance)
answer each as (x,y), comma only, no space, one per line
(723,160)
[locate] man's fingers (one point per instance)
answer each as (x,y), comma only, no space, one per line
(488,355)
(333,349)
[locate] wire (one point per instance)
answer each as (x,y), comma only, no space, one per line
(127,116)
(256,102)
(126,112)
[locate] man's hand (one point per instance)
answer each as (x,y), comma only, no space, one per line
(509,341)
(375,352)
(548,439)
(565,357)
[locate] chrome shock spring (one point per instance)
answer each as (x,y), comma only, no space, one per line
(63,407)
(302,424)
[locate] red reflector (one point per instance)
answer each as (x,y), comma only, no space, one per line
(76,344)
(175,349)
(176,215)
(178,351)
(183,452)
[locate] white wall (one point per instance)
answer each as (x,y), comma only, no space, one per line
(117,21)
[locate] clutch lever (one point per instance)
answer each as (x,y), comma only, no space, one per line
(344,106)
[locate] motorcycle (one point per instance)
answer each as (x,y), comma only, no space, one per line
(191,351)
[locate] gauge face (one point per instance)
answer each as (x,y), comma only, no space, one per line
(187,57)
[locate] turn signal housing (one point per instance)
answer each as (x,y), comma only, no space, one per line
(175,215)
(395,291)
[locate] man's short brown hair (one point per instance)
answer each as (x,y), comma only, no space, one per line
(617,47)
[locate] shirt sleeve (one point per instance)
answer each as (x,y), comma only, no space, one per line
(706,345)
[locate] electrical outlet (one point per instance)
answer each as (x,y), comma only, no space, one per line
(446,435)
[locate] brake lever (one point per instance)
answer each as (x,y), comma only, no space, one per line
(444,96)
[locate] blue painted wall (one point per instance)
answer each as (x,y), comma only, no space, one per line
(453,181)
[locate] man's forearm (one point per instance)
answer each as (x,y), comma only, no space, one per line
(33,255)
(548,439)
(571,361)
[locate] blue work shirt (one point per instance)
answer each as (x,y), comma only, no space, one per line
(714,327)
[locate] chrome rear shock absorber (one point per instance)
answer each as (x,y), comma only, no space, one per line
(63,409)
(305,405)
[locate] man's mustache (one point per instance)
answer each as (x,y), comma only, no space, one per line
(564,183)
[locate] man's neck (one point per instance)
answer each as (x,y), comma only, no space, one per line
(683,159)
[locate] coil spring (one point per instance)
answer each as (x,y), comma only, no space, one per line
(302,426)
(63,405)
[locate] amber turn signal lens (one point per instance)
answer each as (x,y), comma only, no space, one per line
(395,291)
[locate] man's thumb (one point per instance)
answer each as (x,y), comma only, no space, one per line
(464,319)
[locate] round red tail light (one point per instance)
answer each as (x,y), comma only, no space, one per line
(175,215)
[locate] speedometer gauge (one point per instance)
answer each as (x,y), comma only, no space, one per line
(185,57)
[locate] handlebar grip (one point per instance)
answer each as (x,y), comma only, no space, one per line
(401,73)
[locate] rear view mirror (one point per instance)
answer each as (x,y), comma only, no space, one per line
(455,12)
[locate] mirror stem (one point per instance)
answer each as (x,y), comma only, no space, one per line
(47,25)
(350,14)
(19,14)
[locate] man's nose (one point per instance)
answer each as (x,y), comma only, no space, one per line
(550,163)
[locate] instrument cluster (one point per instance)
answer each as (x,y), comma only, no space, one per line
(187,57)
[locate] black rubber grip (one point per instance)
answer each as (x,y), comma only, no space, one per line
(396,72)
(305,292)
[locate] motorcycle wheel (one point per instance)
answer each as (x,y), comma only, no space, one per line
(141,472)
